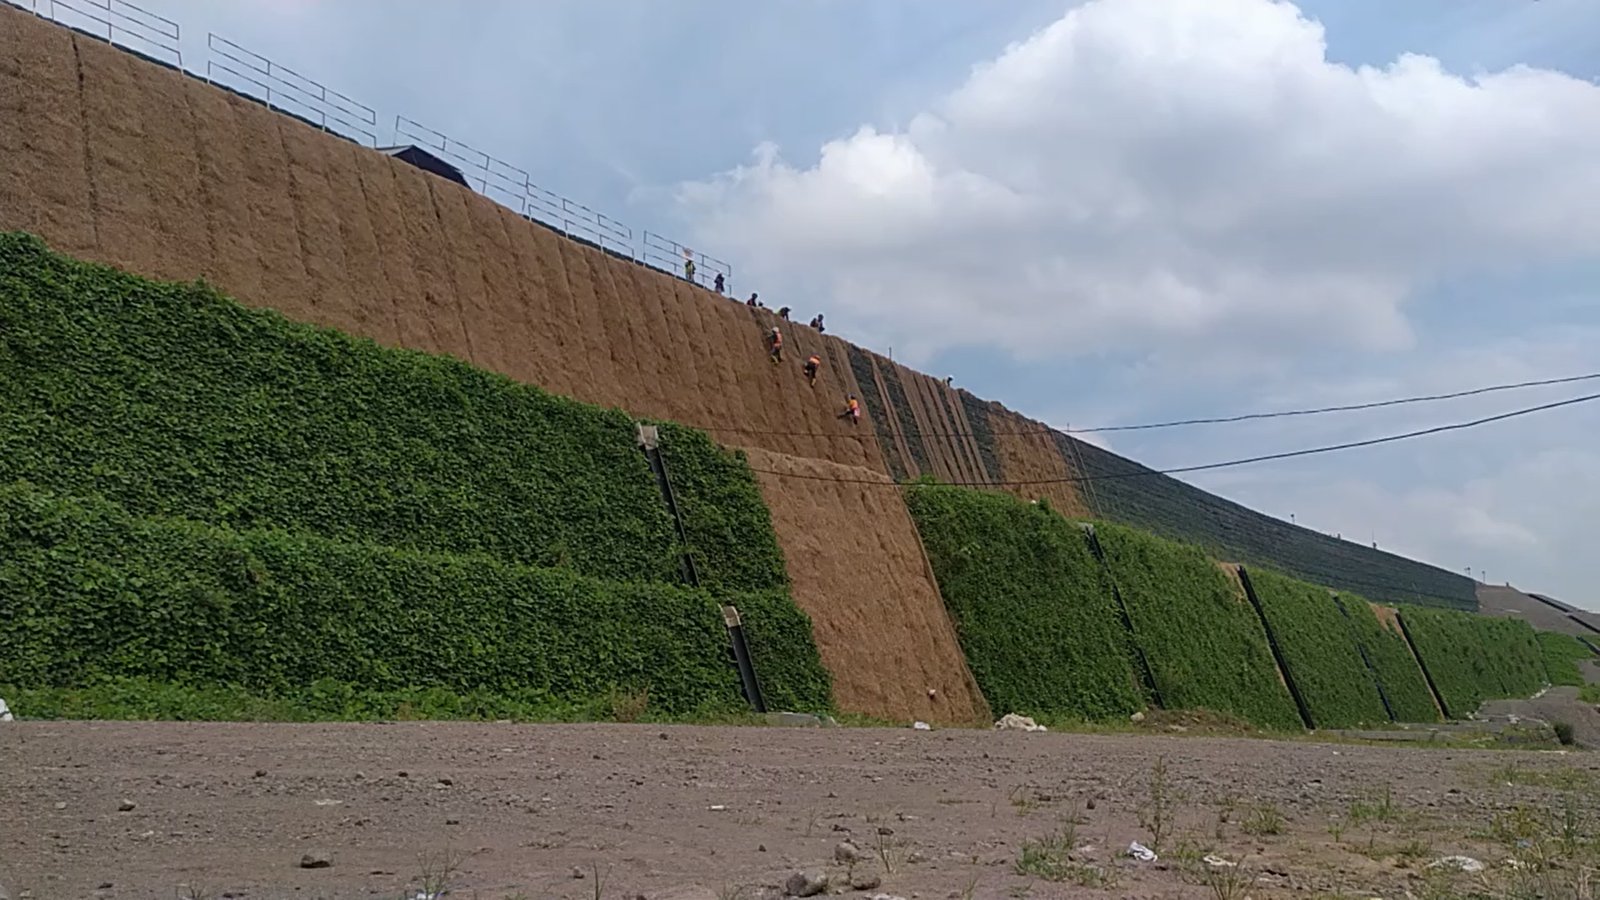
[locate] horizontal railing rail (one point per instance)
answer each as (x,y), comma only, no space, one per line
(289,90)
(237,68)
(124,24)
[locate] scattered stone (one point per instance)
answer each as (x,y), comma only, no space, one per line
(1090,804)
(452,821)
(446,782)
(885,830)
(916,856)
(404,774)
(1460,863)
(662,735)
(105,886)
(1014,722)
(5,712)
(61,805)
(845,852)
(126,806)
(578,873)
(261,773)
(865,881)
(1137,717)
(794,720)
(806,884)
(920,725)
(761,848)
(317,859)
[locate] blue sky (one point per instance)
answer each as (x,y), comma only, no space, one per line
(1098,212)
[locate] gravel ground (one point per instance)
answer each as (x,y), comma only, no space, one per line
(230,810)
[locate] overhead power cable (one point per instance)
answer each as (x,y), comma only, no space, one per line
(1249,460)
(1175,423)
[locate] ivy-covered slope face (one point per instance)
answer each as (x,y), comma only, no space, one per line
(1473,658)
(1319,649)
(1203,641)
(202,438)
(1397,670)
(172,400)
(92,592)
(1032,607)
(1562,654)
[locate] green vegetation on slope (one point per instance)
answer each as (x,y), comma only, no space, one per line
(1320,652)
(367,516)
(172,400)
(1514,648)
(1398,673)
(1031,605)
(1131,494)
(1473,658)
(97,593)
(1204,643)
(728,524)
(1562,653)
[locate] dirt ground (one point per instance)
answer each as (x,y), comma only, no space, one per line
(229,810)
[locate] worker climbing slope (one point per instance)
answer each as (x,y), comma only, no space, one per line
(813,364)
(775,345)
(852,410)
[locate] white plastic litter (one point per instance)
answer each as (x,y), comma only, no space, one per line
(1141,852)
(1217,862)
(920,725)
(1014,722)
(5,712)
(1463,863)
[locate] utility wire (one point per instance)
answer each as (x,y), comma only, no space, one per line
(1243,417)
(1249,460)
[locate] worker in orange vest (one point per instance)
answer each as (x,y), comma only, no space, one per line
(852,411)
(813,363)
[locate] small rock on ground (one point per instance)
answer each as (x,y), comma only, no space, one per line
(865,881)
(806,884)
(316,859)
(846,852)
(126,806)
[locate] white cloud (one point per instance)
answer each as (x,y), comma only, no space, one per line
(1155,175)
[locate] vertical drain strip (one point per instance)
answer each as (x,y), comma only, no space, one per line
(650,443)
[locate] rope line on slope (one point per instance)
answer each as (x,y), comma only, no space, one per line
(1175,423)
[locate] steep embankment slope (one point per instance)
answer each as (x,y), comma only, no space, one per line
(116,159)
(199,494)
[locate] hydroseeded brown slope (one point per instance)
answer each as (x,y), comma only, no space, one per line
(858,569)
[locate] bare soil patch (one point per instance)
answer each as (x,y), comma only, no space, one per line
(171,809)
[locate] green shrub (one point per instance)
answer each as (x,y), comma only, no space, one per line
(1397,670)
(1031,605)
(1204,643)
(1562,653)
(92,593)
(1473,658)
(172,400)
(1318,648)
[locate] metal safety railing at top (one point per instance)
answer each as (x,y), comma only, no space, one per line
(512,187)
(666,254)
(496,179)
(233,66)
(116,21)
